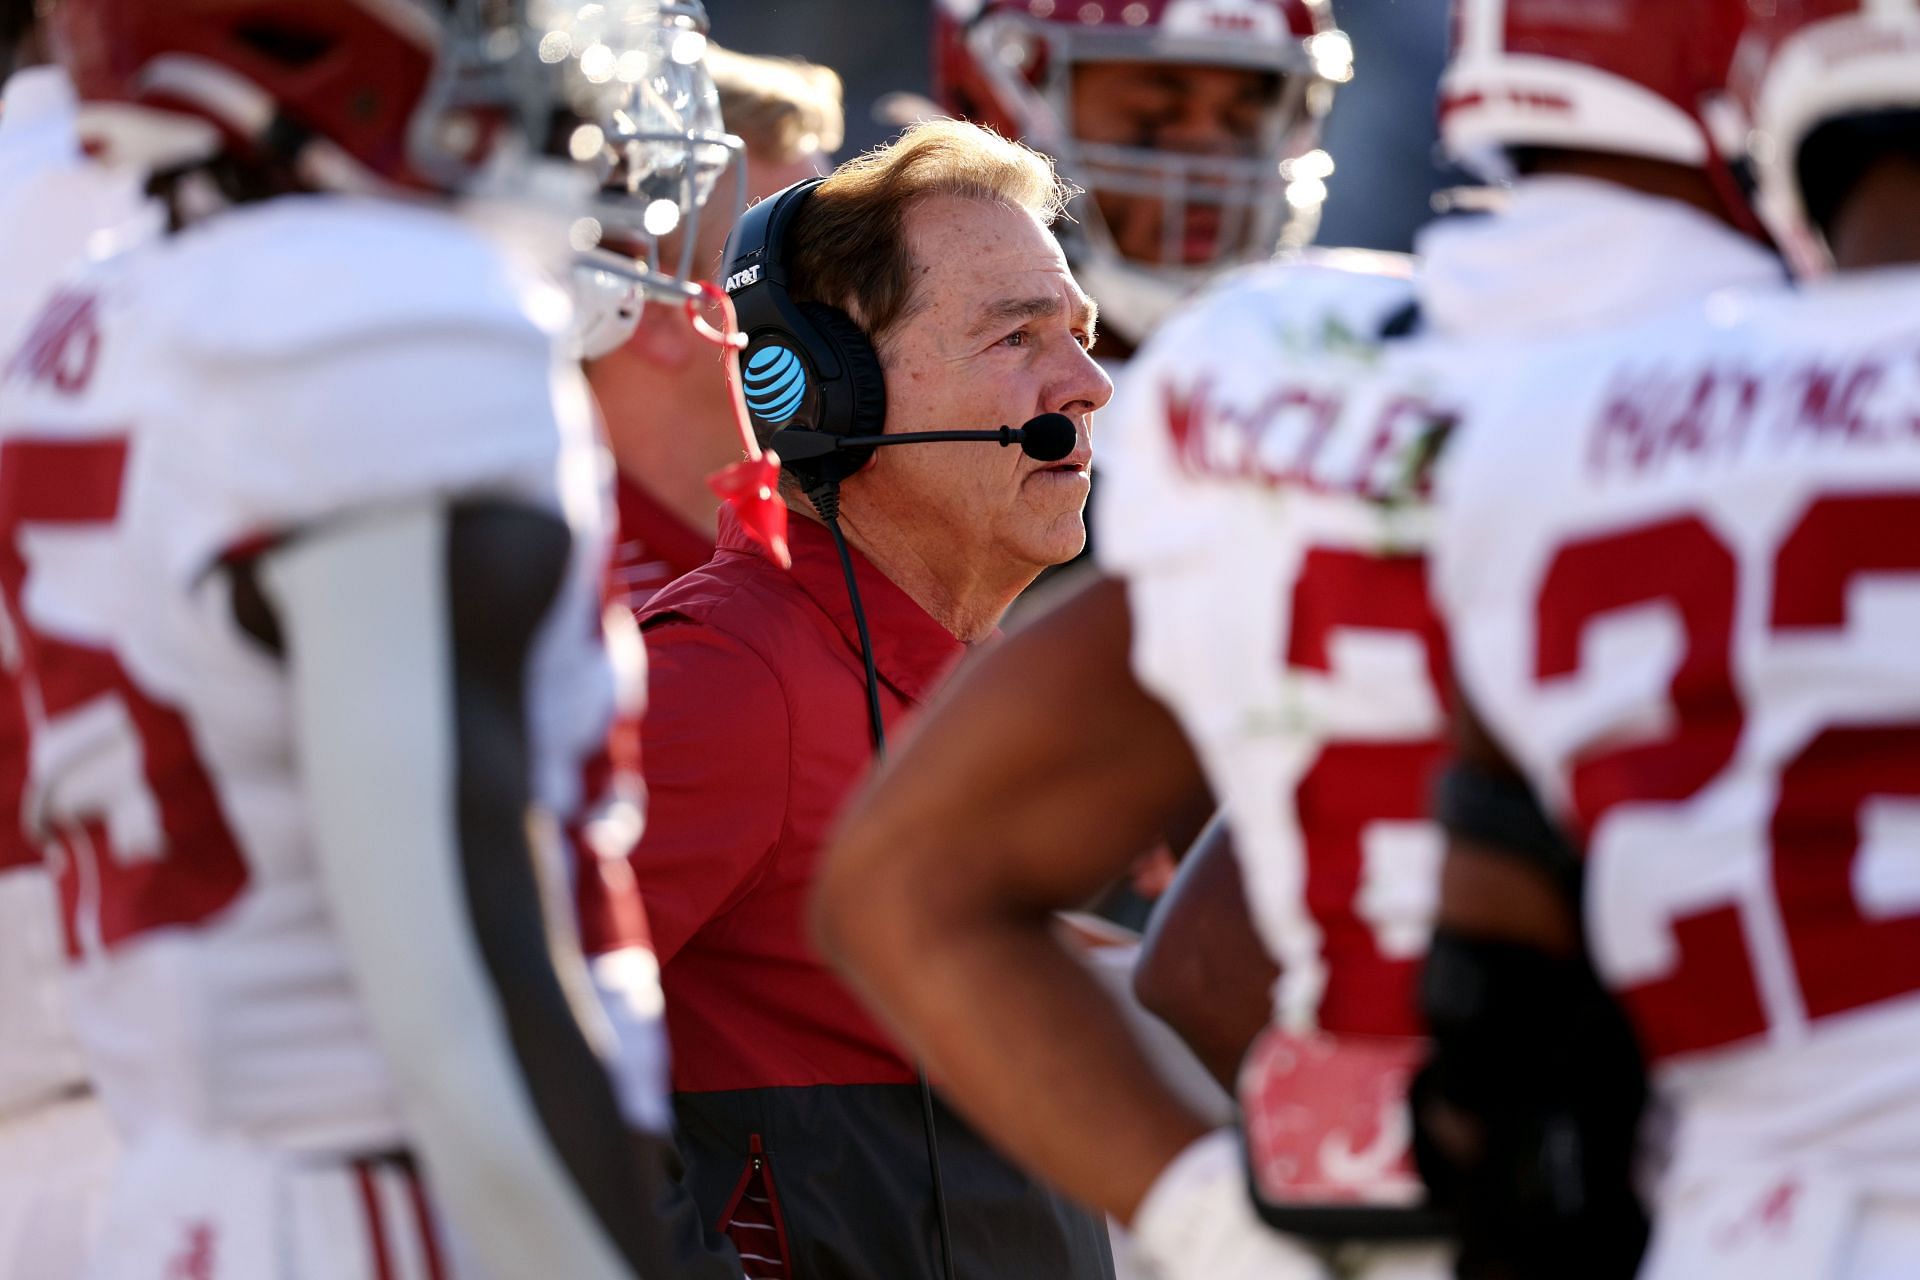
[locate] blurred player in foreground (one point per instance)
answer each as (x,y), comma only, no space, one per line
(56,1146)
(1681,568)
(1268,498)
(661,387)
(1618,206)
(299,522)
(1193,129)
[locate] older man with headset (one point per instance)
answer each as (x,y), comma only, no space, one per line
(915,291)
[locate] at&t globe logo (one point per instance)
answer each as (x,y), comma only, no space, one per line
(775,383)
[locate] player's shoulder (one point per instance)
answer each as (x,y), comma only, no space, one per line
(324,355)
(300,275)
(1858,308)
(1318,297)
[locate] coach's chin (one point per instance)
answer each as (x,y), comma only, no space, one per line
(787,1092)
(978,323)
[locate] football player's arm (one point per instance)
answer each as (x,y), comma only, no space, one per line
(1203,969)
(407,632)
(1034,781)
(1527,1111)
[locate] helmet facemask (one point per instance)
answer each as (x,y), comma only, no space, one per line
(1162,215)
(620,94)
(650,131)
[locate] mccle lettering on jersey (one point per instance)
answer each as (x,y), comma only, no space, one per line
(63,347)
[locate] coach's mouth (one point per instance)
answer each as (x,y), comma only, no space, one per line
(1068,472)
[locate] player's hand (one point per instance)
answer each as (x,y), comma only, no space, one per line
(1198,1222)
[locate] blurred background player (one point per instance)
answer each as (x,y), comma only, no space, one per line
(1679,565)
(302,543)
(662,391)
(1305,543)
(1193,126)
(56,1145)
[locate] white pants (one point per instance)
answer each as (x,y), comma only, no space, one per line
(1783,1225)
(195,1207)
(55,1162)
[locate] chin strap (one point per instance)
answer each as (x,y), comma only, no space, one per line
(752,485)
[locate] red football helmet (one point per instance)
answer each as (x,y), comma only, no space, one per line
(364,93)
(333,83)
(1167,208)
(1806,63)
(429,94)
(1626,77)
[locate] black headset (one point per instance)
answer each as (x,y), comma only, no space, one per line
(807,365)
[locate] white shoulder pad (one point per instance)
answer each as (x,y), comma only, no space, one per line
(1314,295)
(304,272)
(332,356)
(1258,336)
(1358,262)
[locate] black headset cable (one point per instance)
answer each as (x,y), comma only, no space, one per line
(825,497)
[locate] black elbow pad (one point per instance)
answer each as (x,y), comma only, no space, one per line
(1499,811)
(1527,1115)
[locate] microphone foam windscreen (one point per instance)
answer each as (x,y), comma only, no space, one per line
(1049,437)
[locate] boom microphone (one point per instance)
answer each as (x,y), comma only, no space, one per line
(1047,438)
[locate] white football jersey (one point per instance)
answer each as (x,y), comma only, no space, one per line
(192,402)
(1264,495)
(55,209)
(1261,494)
(1680,567)
(1257,461)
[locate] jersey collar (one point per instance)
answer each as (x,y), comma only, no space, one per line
(1567,254)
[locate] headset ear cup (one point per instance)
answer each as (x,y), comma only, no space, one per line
(866,382)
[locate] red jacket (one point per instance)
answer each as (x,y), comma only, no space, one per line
(755,733)
(799,1120)
(652,547)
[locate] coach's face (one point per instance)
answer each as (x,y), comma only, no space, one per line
(998,332)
